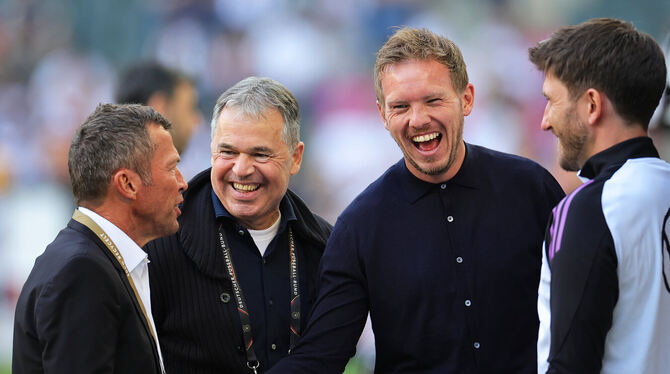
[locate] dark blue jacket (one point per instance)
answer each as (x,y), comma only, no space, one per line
(193,304)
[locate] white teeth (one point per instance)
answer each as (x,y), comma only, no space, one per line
(425,138)
(245,187)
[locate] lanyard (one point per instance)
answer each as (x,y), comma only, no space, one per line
(252,360)
(88,222)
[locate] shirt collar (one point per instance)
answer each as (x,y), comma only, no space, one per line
(617,155)
(415,188)
(132,254)
(285,208)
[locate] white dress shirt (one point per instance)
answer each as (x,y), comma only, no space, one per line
(136,261)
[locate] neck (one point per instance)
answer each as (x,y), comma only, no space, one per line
(613,133)
(260,223)
(121,218)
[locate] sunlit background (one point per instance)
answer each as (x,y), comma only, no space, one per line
(59,59)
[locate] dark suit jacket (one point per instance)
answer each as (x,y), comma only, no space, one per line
(77,313)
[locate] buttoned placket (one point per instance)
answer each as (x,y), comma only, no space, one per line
(459,260)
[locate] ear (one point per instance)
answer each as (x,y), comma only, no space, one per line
(592,104)
(297,158)
(158,101)
(382,114)
(126,183)
(468,99)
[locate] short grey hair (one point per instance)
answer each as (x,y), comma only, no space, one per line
(253,96)
(111,138)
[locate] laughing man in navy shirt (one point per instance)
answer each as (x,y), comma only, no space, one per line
(443,249)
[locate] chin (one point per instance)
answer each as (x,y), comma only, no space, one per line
(169,229)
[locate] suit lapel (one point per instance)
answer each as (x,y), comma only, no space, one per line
(122,277)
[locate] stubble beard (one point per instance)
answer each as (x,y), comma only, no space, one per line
(448,163)
(572,142)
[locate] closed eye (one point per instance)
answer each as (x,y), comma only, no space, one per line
(225,153)
(262,157)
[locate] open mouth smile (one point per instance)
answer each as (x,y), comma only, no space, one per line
(245,187)
(427,142)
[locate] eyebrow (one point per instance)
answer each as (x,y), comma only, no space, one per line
(430,96)
(388,102)
(173,161)
(257,149)
(261,149)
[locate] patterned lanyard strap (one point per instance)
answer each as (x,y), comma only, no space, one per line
(252,360)
(100,233)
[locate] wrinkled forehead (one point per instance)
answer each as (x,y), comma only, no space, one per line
(240,112)
(235,122)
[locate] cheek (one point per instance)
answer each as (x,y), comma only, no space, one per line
(277,174)
(394,125)
(220,166)
(219,169)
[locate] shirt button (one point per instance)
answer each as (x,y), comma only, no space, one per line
(443,186)
(225,297)
(450,219)
(270,302)
(240,231)
(476,345)
(468,303)
(459,259)
(274,346)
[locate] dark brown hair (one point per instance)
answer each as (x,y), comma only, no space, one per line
(611,56)
(111,138)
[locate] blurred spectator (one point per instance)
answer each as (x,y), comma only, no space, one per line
(170,92)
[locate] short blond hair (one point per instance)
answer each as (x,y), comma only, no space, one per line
(421,44)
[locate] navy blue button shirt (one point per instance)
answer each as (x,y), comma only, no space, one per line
(264,281)
(449,272)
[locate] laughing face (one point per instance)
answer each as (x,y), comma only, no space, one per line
(424,114)
(251,165)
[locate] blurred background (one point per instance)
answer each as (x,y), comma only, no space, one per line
(59,59)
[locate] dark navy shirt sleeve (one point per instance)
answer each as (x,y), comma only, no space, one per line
(339,313)
(584,283)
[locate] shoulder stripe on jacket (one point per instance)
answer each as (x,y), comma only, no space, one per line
(560,213)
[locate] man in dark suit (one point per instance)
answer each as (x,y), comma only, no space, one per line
(85,307)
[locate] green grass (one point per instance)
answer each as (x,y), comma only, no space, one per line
(355,366)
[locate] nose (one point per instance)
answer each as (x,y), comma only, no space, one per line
(418,116)
(544,125)
(244,166)
(181,182)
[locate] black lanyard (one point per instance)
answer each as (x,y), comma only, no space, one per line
(252,360)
